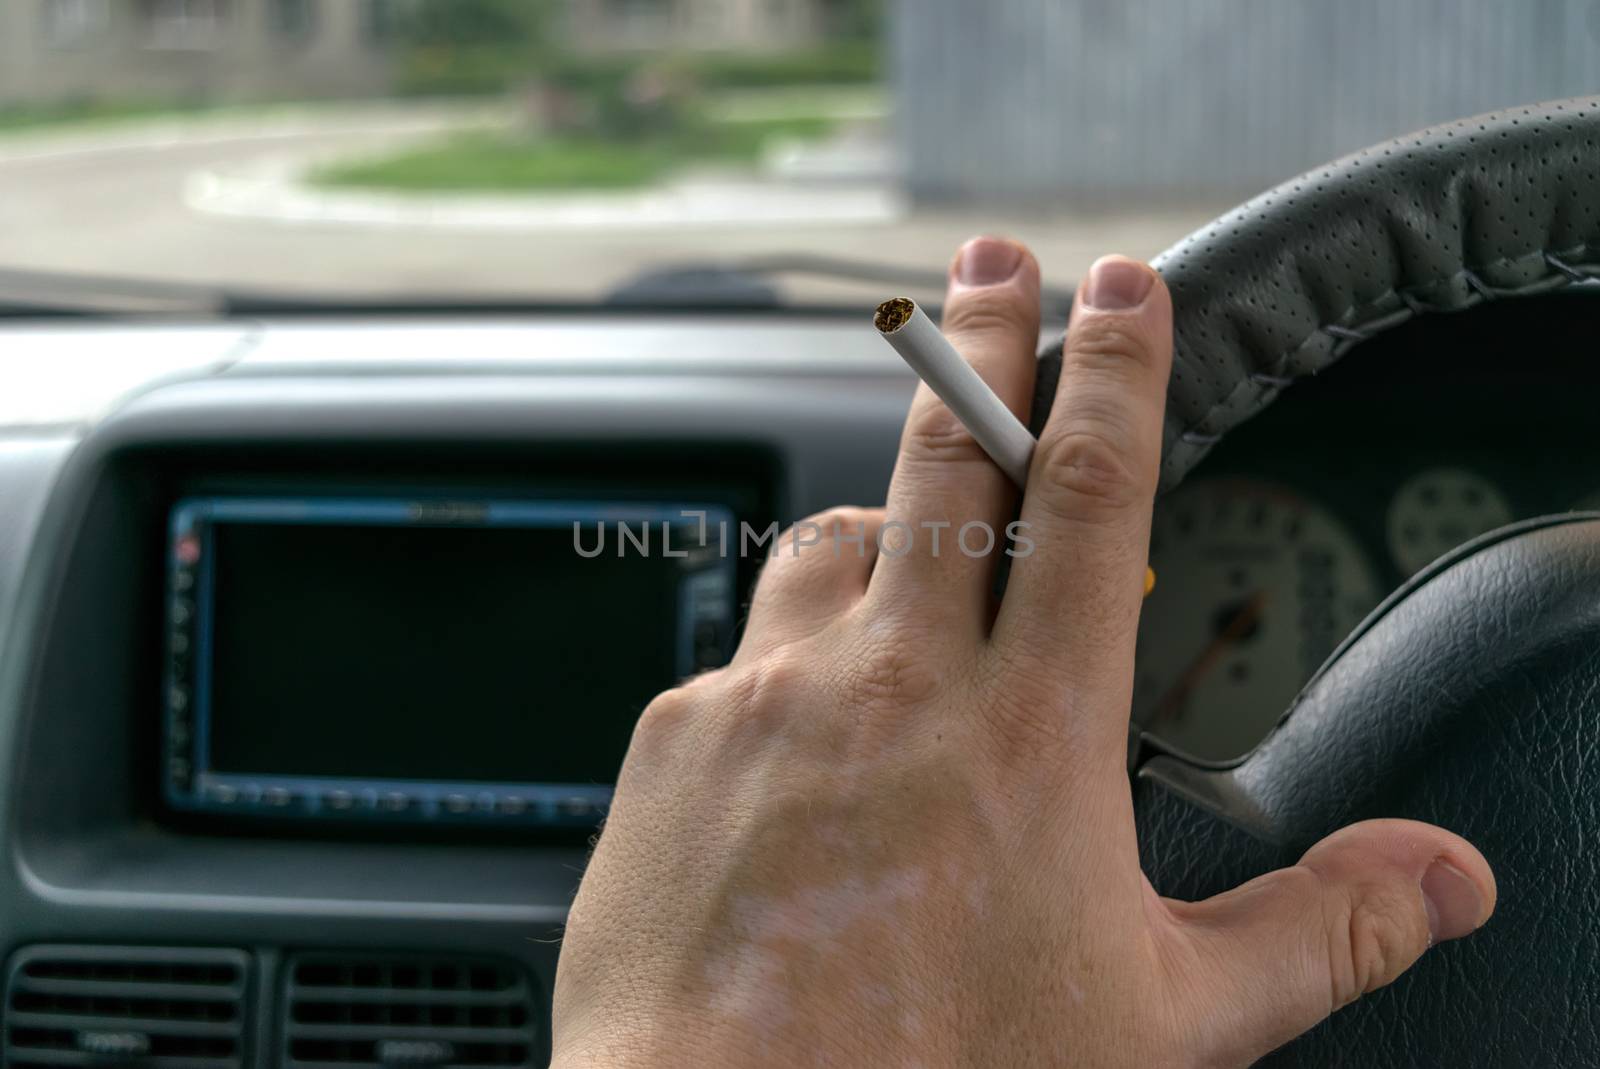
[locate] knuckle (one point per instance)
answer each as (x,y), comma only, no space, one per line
(790,550)
(937,436)
(970,324)
(756,703)
(844,518)
(1108,344)
(892,674)
(668,713)
(816,530)
(801,554)
(1085,470)
(768,687)
(1374,935)
(788,543)
(703,681)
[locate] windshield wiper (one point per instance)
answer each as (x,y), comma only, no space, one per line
(696,285)
(747,282)
(39,293)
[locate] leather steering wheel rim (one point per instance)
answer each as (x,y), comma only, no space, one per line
(1471,697)
(1501,205)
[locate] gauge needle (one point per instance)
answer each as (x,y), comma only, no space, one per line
(1171,704)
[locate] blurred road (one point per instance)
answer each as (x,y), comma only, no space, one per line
(112,202)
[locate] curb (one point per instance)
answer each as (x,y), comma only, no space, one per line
(276,192)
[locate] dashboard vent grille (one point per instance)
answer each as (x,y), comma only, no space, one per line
(145,1006)
(391,1010)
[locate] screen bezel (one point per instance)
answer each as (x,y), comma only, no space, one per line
(707,597)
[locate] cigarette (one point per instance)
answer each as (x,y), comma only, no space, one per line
(936,362)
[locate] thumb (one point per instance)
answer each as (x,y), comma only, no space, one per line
(1283,951)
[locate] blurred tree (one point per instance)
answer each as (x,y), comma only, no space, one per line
(474,46)
(854,20)
(479,23)
(517,48)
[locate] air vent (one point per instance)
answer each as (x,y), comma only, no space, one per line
(383,1010)
(144,1006)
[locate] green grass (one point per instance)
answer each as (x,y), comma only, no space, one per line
(486,161)
(492,69)
(489,161)
(838,63)
(31,116)
(90,114)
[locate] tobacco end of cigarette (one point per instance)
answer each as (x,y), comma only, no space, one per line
(893,314)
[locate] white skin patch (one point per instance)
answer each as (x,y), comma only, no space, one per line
(975,891)
(748,980)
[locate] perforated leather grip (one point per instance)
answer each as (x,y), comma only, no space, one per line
(1501,205)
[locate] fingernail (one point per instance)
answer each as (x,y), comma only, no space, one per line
(1455,906)
(1115,285)
(987,261)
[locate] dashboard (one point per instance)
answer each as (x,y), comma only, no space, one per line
(316,664)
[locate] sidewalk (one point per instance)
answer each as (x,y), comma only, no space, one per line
(264,124)
(276,195)
(846,179)
(274,190)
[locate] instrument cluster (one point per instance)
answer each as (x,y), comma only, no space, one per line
(1259,580)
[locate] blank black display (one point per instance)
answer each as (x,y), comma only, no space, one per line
(483,654)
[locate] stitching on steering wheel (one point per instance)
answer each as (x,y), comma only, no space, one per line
(1561,270)
(1477,284)
(1565,268)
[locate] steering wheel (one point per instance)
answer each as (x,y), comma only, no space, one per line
(1471,697)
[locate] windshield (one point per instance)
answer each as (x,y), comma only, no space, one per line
(723,151)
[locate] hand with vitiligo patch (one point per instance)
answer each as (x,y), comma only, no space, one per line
(897,829)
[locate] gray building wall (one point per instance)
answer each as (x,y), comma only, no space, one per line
(1045,99)
(70,50)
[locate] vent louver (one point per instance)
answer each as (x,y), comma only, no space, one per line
(145,1006)
(390,1010)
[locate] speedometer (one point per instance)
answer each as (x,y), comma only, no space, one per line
(1255,586)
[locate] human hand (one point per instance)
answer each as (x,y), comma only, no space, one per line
(897,829)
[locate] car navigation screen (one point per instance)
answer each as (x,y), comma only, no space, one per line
(427,660)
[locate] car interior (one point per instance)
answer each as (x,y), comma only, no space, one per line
(324,625)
